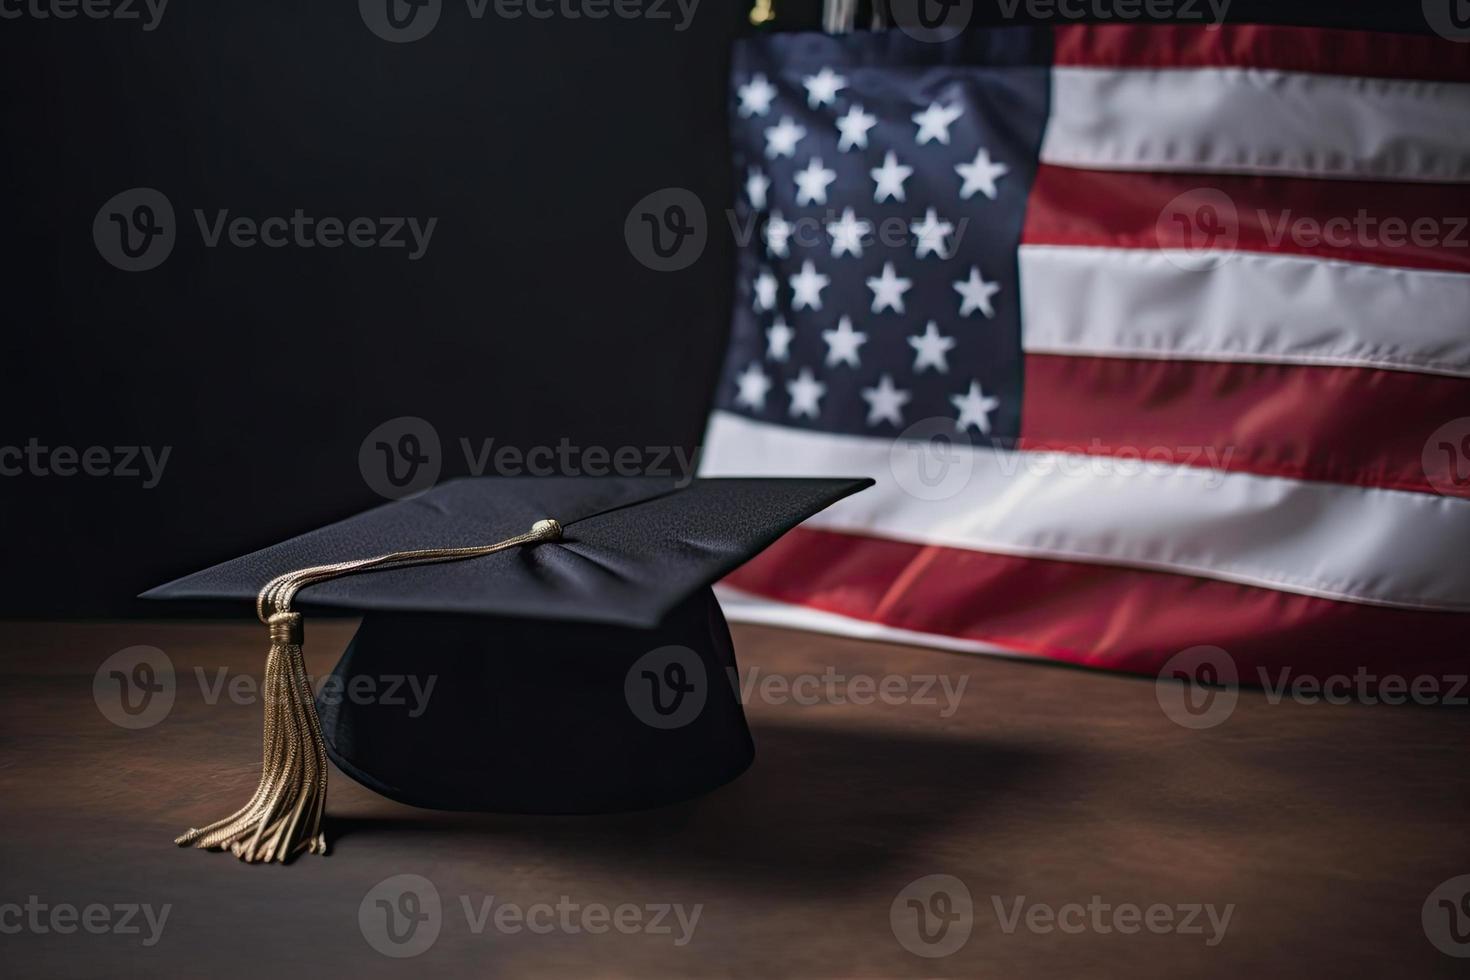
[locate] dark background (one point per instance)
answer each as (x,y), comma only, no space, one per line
(528,320)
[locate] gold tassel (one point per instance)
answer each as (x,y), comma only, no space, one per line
(285,815)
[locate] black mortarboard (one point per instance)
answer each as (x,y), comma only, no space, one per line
(580,666)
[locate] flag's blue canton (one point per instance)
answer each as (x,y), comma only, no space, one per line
(881,191)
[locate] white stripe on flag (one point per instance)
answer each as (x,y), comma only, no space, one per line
(1369,545)
(1283,309)
(742,607)
(1241,120)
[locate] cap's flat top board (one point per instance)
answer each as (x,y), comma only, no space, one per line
(632,547)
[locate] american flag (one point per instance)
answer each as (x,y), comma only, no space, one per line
(1152,336)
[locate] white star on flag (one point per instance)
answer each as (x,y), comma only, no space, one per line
(776,233)
(765,291)
(980,175)
(753,385)
(975,408)
(781,139)
(778,340)
(756,185)
(976,293)
(934,122)
(930,349)
(854,128)
(843,343)
(888,289)
(885,402)
(806,391)
(811,183)
(756,96)
(807,286)
(822,88)
(929,235)
(847,233)
(890,178)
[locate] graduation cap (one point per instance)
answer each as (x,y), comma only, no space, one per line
(578,658)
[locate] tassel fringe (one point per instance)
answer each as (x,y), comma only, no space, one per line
(284,817)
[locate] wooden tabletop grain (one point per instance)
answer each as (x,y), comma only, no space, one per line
(1077,830)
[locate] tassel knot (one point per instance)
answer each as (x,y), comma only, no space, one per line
(286,628)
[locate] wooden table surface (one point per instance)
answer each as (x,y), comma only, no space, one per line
(1047,791)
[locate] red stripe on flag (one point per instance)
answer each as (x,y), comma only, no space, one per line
(1358,426)
(1304,49)
(1414,225)
(1097,615)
